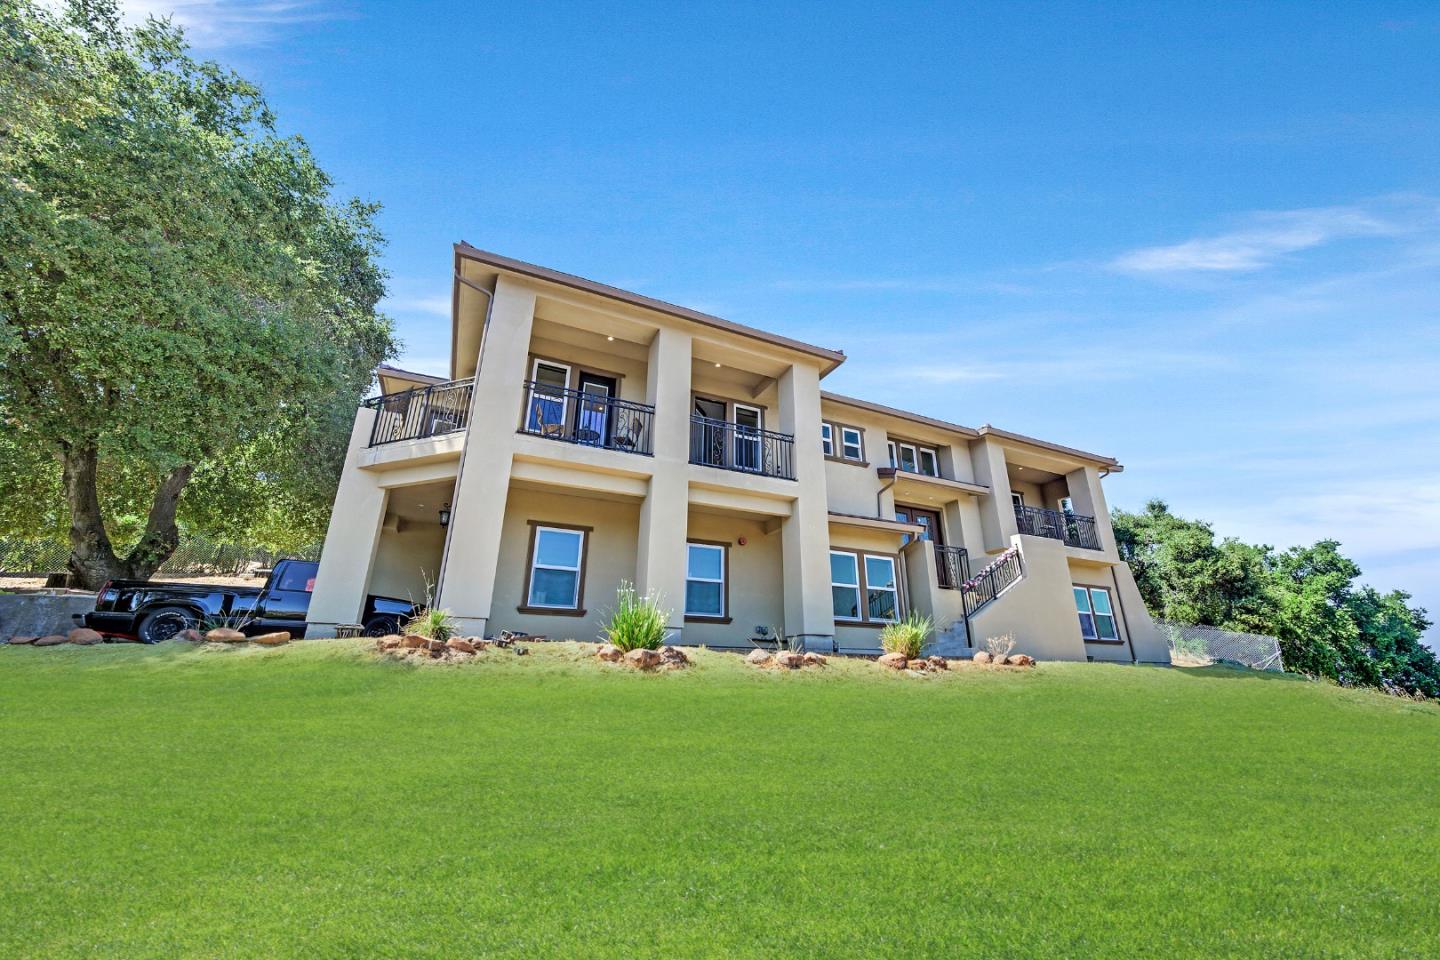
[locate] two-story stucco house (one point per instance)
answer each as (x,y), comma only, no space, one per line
(588,436)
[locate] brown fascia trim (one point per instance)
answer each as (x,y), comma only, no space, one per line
(1109,463)
(898,526)
(832,358)
(386,370)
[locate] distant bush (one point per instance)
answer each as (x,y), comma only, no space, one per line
(432,624)
(908,636)
(637,622)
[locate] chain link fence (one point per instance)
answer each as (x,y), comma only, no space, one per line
(1192,645)
(194,557)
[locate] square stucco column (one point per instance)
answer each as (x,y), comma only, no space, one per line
(351,541)
(1088,499)
(660,555)
(997,511)
(472,548)
(805,534)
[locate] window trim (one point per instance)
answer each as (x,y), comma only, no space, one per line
(1089,592)
(859,445)
(934,460)
(724,548)
(827,439)
(564,398)
(579,609)
(863,588)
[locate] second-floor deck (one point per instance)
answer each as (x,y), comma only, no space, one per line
(1075,530)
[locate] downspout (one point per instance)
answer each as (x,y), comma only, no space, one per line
(879,514)
(474,395)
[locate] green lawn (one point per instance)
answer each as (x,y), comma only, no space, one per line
(311,801)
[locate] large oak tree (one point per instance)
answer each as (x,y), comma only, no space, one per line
(182,303)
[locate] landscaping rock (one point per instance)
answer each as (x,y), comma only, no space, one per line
(674,656)
(18,641)
(814,660)
(610,653)
(53,640)
(84,636)
(759,658)
(224,635)
(893,661)
(272,639)
(644,659)
(460,645)
(790,660)
(938,663)
(1020,660)
(412,641)
(191,635)
(434,646)
(981,656)
(391,641)
(918,665)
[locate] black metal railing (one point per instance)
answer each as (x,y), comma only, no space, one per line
(729,446)
(587,419)
(421,412)
(1074,529)
(952,566)
(992,581)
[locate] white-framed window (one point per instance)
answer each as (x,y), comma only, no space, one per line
(549,406)
(705,580)
(851,446)
(908,458)
(1018,499)
(863,587)
(827,439)
(555,564)
(1097,617)
(890,451)
(882,592)
(929,462)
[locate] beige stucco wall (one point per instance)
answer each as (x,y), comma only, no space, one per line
(407,560)
(756,580)
(1039,610)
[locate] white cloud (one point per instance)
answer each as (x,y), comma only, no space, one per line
(228,23)
(1269,236)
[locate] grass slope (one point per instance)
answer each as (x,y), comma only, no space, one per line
(310,801)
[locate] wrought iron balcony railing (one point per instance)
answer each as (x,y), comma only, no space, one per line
(990,582)
(729,446)
(421,412)
(952,566)
(588,419)
(1074,529)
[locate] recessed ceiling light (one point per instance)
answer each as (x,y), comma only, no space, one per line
(611,339)
(717,364)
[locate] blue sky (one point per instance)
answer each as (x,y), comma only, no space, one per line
(1202,238)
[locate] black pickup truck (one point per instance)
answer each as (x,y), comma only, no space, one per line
(150,612)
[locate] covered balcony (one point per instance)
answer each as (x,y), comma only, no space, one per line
(1075,530)
(588,417)
(742,447)
(421,412)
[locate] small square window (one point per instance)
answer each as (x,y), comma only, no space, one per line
(850,444)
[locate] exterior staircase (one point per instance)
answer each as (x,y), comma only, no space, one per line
(977,593)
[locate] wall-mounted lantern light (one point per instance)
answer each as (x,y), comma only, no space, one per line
(445,514)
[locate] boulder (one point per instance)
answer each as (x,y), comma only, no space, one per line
(814,660)
(674,656)
(938,663)
(643,659)
(390,641)
(790,660)
(412,641)
(610,653)
(759,658)
(53,640)
(435,646)
(479,643)
(460,645)
(84,636)
(918,665)
(272,639)
(893,661)
(1020,660)
(191,635)
(22,640)
(981,656)
(224,635)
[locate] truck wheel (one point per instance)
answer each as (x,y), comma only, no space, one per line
(164,623)
(381,626)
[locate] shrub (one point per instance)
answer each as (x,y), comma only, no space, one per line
(908,636)
(432,624)
(999,647)
(637,622)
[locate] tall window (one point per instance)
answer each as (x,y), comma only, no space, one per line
(549,405)
(929,463)
(845,585)
(705,580)
(827,439)
(555,568)
(1097,618)
(851,447)
(863,587)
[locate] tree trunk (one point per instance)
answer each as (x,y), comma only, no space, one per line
(92,556)
(161,536)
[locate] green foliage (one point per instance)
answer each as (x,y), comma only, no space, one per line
(637,623)
(180,297)
(908,636)
(431,623)
(1307,597)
